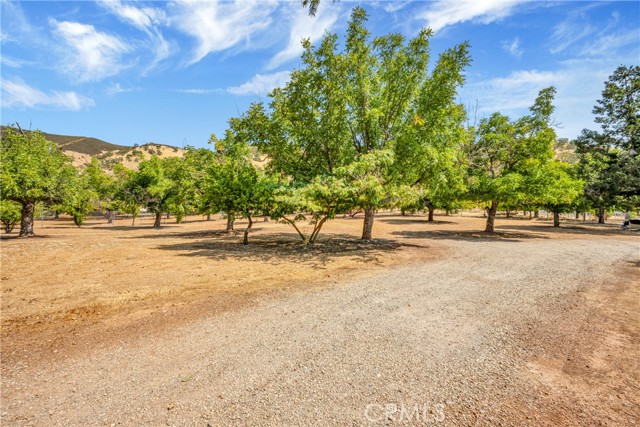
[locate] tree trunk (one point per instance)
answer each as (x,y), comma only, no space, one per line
(56,214)
(584,216)
(209,217)
(367,227)
(556,218)
(491,216)
(601,215)
(26,223)
(158,221)
(577,215)
(168,215)
(111,215)
(431,210)
(530,214)
(230,221)
(245,240)
(536,215)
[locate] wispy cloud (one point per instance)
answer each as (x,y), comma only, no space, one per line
(117,88)
(200,91)
(218,26)
(579,35)
(394,6)
(513,47)
(11,62)
(443,13)
(304,26)
(147,20)
(17,94)
(606,44)
(579,83)
(261,84)
(89,55)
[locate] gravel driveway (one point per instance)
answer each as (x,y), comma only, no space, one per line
(531,331)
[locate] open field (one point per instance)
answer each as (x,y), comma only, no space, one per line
(119,325)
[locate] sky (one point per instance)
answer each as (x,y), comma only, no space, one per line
(174,72)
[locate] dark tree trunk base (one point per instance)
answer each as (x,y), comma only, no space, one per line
(158,221)
(26,222)
(491,216)
(367,228)
(245,239)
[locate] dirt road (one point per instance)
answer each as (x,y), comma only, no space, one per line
(530,327)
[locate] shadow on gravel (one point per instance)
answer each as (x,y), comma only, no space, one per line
(283,247)
(470,236)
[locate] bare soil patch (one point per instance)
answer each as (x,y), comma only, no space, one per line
(530,325)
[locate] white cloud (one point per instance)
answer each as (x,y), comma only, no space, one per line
(199,91)
(443,13)
(143,18)
(117,88)
(218,26)
(146,19)
(579,84)
(512,93)
(513,47)
(19,95)
(261,84)
(11,62)
(578,34)
(304,26)
(89,55)
(394,6)
(605,44)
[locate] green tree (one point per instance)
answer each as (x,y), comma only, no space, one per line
(198,161)
(162,185)
(561,190)
(33,170)
(610,159)
(235,186)
(81,198)
(129,195)
(104,186)
(343,106)
(506,154)
(9,215)
(182,196)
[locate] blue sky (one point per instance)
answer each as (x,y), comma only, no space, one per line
(175,72)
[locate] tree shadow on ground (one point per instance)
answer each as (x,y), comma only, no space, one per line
(15,236)
(131,227)
(278,248)
(469,236)
(417,220)
(200,234)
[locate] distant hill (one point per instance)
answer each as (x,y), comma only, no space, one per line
(83,144)
(82,148)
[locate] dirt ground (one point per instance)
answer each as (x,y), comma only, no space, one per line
(71,292)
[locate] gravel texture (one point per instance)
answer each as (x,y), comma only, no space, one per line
(498,332)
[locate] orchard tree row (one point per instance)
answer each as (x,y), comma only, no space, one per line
(359,128)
